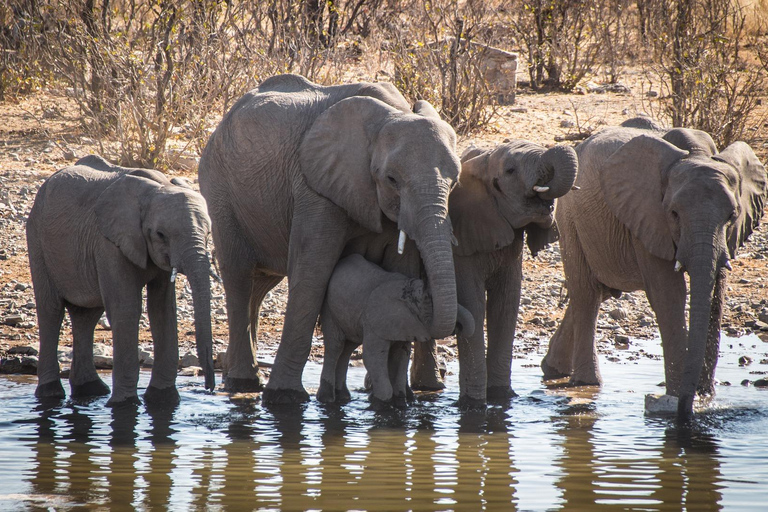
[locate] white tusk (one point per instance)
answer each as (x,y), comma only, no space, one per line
(678,266)
(540,189)
(728,265)
(401,242)
(173,274)
(454,241)
(575,187)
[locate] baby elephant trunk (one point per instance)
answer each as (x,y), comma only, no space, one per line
(465,322)
(557,172)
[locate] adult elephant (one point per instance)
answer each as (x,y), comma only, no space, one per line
(296,170)
(506,195)
(97,235)
(648,209)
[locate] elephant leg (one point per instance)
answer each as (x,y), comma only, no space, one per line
(376,361)
(586,303)
(83,378)
(473,372)
(502,309)
(122,300)
(318,236)
(342,366)
(425,371)
(161,310)
(666,294)
(50,314)
(707,380)
(333,344)
(399,356)
(558,361)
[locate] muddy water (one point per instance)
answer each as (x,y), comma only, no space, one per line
(583,449)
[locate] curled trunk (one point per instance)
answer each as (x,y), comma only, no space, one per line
(557,170)
(465,320)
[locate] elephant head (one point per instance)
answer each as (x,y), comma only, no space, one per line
(370,159)
(151,219)
(510,187)
(692,208)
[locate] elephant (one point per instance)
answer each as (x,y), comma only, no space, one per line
(383,311)
(97,234)
(293,173)
(651,206)
(506,195)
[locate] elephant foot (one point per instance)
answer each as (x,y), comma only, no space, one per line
(325,393)
(123,401)
(95,387)
(52,389)
(684,410)
(400,401)
(377,404)
(575,382)
(343,395)
(550,372)
(428,382)
(409,394)
(467,403)
(238,385)
(500,394)
(165,396)
(284,396)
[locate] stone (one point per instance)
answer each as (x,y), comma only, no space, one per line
(145,358)
(104,323)
(23,350)
(188,359)
(745,361)
(191,371)
(19,365)
(100,349)
(103,362)
(660,404)
(14,320)
(761,383)
(619,314)
(621,339)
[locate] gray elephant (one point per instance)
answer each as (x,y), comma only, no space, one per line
(98,234)
(296,170)
(383,311)
(506,195)
(652,205)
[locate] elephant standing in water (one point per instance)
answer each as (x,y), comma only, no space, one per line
(651,206)
(505,195)
(295,171)
(383,311)
(97,234)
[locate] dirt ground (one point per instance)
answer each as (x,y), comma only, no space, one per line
(41,133)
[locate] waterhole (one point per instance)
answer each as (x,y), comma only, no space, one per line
(549,449)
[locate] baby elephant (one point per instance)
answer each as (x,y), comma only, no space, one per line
(98,234)
(384,311)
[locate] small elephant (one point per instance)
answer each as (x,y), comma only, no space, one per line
(385,311)
(294,171)
(653,204)
(98,234)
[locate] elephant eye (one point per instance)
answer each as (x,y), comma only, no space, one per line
(511,170)
(392,181)
(160,235)
(674,215)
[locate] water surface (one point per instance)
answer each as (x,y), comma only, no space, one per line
(550,449)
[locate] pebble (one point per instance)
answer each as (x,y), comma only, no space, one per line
(619,314)
(188,359)
(745,361)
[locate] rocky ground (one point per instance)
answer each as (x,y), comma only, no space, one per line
(41,134)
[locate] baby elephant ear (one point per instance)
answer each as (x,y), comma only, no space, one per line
(753,194)
(118,216)
(537,237)
(631,183)
(335,156)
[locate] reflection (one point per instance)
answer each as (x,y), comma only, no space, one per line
(242,463)
(46,451)
(156,461)
(120,461)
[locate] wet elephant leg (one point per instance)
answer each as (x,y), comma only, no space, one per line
(376,360)
(83,378)
(558,361)
(342,366)
(502,309)
(50,314)
(161,310)
(473,372)
(333,341)
(425,371)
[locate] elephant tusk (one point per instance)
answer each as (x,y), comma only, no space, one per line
(678,266)
(728,265)
(454,240)
(173,274)
(216,277)
(575,187)
(401,242)
(540,189)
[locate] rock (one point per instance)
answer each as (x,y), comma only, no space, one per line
(760,326)
(761,383)
(763,316)
(618,314)
(104,323)
(103,362)
(145,358)
(19,365)
(188,359)
(621,339)
(567,123)
(23,350)
(100,349)
(746,383)
(220,362)
(14,320)
(525,301)
(745,361)
(191,371)
(660,404)
(20,287)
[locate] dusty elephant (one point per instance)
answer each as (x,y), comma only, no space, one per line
(295,171)
(383,311)
(97,235)
(647,210)
(506,195)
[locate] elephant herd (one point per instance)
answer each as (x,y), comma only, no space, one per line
(388,237)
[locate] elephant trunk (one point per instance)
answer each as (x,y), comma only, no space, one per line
(703,272)
(465,321)
(198,271)
(557,170)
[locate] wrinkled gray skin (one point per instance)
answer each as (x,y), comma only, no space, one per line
(644,204)
(294,172)
(383,311)
(97,235)
(492,209)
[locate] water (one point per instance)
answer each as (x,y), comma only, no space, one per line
(582,449)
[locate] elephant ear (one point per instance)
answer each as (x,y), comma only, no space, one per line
(631,182)
(335,156)
(477,223)
(694,141)
(754,190)
(537,237)
(118,216)
(425,108)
